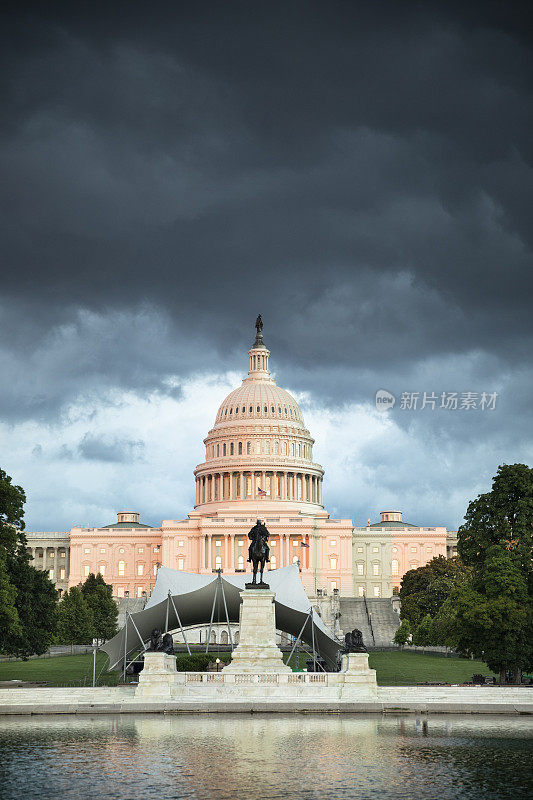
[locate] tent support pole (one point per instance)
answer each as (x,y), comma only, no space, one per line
(125,647)
(179,623)
(166,619)
(138,634)
(313,638)
(227,615)
(299,637)
(212,615)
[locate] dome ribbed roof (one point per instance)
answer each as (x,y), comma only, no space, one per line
(259,399)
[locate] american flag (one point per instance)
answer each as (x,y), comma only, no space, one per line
(303,544)
(261,492)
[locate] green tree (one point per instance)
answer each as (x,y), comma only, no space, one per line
(75,623)
(99,598)
(424,633)
(424,590)
(491,615)
(22,586)
(403,633)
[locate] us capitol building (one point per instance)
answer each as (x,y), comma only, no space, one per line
(258,464)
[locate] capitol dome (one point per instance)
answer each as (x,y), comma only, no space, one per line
(259,447)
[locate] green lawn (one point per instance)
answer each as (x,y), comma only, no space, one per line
(393,669)
(60,671)
(403,668)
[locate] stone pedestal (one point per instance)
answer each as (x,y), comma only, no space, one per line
(158,676)
(257,650)
(354,667)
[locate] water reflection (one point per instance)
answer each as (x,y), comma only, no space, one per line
(266,756)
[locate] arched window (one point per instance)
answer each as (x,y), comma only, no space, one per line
(285,448)
(226,412)
(224,449)
(240,562)
(213,637)
(121,568)
(251,409)
(231,411)
(140,569)
(276,446)
(224,637)
(279,409)
(218,562)
(273,410)
(248,448)
(236,409)
(285,410)
(300,450)
(218,449)
(292,448)
(240,448)
(290,409)
(258,409)
(272,562)
(243,409)
(267,446)
(231,449)
(101,569)
(266,410)
(333,562)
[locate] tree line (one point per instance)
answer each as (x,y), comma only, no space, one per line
(481,602)
(31,615)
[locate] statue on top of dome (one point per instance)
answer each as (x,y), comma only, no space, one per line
(259,332)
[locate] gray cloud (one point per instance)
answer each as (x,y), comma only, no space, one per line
(359,173)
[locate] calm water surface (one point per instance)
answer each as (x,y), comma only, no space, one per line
(261,757)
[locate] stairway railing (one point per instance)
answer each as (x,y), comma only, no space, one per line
(369,618)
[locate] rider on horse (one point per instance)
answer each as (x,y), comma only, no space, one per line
(259,531)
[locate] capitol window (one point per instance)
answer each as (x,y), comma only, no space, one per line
(361,591)
(62,573)
(248,448)
(86,570)
(102,550)
(231,411)
(267,447)
(375,549)
(218,449)
(181,563)
(140,569)
(224,449)
(272,562)
(279,409)
(120,591)
(359,549)
(375,569)
(272,410)
(360,569)
(377,591)
(121,568)
(101,569)
(240,448)
(333,542)
(87,551)
(218,543)
(141,549)
(231,449)
(266,410)
(333,563)
(218,562)
(240,562)
(276,447)
(180,544)
(155,569)
(258,409)
(395,567)
(51,574)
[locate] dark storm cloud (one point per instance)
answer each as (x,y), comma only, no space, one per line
(360,173)
(96,448)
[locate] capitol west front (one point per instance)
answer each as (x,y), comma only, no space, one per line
(258,464)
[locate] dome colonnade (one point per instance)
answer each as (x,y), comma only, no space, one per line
(259,447)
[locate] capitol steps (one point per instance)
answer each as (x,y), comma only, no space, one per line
(385,621)
(353,615)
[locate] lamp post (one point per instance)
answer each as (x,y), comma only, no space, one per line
(126,596)
(217,661)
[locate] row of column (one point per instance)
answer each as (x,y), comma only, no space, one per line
(243,485)
(231,551)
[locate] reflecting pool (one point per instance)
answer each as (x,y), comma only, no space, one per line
(264,756)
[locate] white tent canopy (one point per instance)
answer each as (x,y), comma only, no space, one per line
(190,599)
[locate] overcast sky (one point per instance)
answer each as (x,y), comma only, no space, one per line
(359,173)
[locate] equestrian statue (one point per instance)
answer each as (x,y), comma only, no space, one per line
(258,553)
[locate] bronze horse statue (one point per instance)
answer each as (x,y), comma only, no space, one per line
(259,551)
